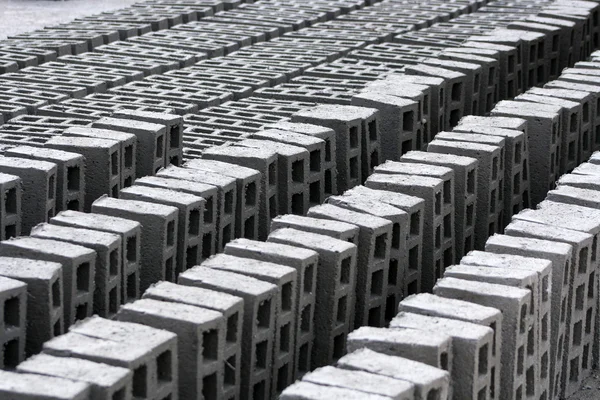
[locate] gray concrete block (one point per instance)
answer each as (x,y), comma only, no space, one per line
(201,342)
(304,261)
(259,323)
(78,265)
(109,258)
(232,309)
(333,308)
(311,391)
(13,294)
(336,229)
(131,238)
(10,213)
(428,381)
(70,182)
(159,235)
(102,169)
(26,386)
(106,382)
(248,190)
(38,196)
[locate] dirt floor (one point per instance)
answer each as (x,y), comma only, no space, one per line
(18,16)
(590,390)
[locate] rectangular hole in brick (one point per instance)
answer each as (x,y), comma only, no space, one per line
(468,244)
(574,369)
(303,359)
(448,260)
(119,395)
(208,210)
(73,177)
(577,333)
(395,236)
(342,307)
(433,394)
(391,304)
(315,160)
(298,171)
(448,226)
(262,354)
(249,227)
(353,164)
(83,277)
(12,313)
(408,123)
(583,260)
(140,381)
(56,298)
(588,320)
(353,137)
(263,315)
(113,304)
(483,360)
(273,206)
(530,381)
(455,116)
(298,203)
(493,201)
(393,272)
(345,270)
(517,183)
(272,171)
(438,203)
(470,212)
(494,343)
(580,297)
(11,353)
(585,356)
(495,168)
(372,126)
(413,287)
(573,122)
(210,344)
(229,371)
(194,222)
(544,366)
(81,312)
(114,259)
(164,366)
(413,258)
(415,219)
(594,247)
(228,202)
(284,338)
(282,377)
(207,245)
(521,360)
(308,278)
(131,287)
(406,146)
(447,192)
(170,233)
(586,112)
(531,342)
(174,137)
(114,163)
(169,270)
(563,312)
(259,391)
(305,320)
(531,75)
(251,194)
(374,317)
(129,156)
(471,182)
(115,191)
(286,296)
(377,283)
(328,182)
(519,393)
(10,231)
(380,246)
(131,249)
(160,149)
(339,346)
(438,237)
(210,387)
(51,186)
(10,201)
(523,318)
(456,93)
(544,328)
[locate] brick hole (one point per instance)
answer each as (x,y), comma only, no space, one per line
(11,354)
(56,297)
(210,387)
(10,231)
(544,366)
(579,297)
(571,151)
(273,206)
(588,320)
(308,278)
(521,360)
(194,222)
(282,377)
(372,127)
(448,260)
(169,270)
(114,191)
(129,156)
(353,163)
(206,245)
(594,247)
(284,338)
(531,342)
(303,359)
(339,346)
(261,354)
(272,171)
(586,112)
(438,203)
(374,317)
(315,160)
(210,344)
(585,356)
(341,309)
(113,304)
(438,237)
(328,182)
(433,394)
(483,360)
(305,318)
(530,381)
(119,395)
(114,163)
(456,92)
(482,394)
(448,226)
(160,149)
(51,186)
(208,210)
(379,250)
(353,137)
(413,287)
(251,194)
(523,318)
(377,283)
(114,261)
(298,171)
(345,269)
(415,219)
(73,178)
(447,192)
(393,272)
(583,259)
(259,390)
(12,312)
(57,329)
(298,203)
(131,249)
(390,307)
(263,315)
(230,371)
(81,312)
(519,393)
(228,202)
(170,233)
(83,277)
(455,116)
(408,121)
(249,227)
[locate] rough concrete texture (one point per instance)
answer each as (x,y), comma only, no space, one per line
(30,386)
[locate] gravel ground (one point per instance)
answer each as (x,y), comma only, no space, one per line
(19,16)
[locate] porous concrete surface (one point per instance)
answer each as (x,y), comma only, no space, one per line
(590,388)
(19,16)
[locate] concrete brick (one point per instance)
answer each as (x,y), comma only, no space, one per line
(560,254)
(151,140)
(336,229)
(259,322)
(428,381)
(200,333)
(159,237)
(305,262)
(150,353)
(489,179)
(360,381)
(70,182)
(333,313)
(13,328)
(190,212)
(514,304)
(105,381)
(248,182)
(311,391)
(320,132)
(433,348)
(128,143)
(103,170)
(208,192)
(131,238)
(316,149)
(286,280)
(44,282)
(109,258)
(374,241)
(292,168)
(33,204)
(262,160)
(23,386)
(430,190)
(471,364)
(78,264)
(232,309)
(10,213)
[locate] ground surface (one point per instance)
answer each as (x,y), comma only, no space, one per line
(590,389)
(18,16)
